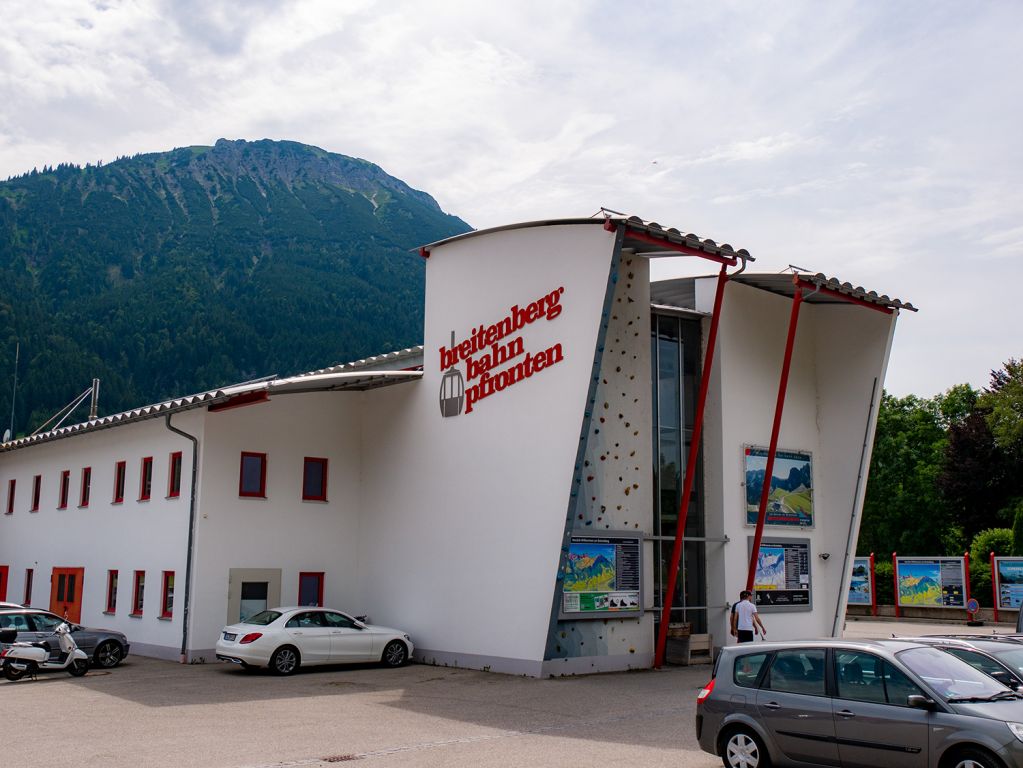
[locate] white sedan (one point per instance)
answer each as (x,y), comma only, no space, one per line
(285,638)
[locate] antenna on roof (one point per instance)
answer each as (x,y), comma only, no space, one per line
(796,269)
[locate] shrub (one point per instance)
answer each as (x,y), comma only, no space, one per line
(883,582)
(997,540)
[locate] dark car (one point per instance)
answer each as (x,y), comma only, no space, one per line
(856,703)
(106,647)
(1000,656)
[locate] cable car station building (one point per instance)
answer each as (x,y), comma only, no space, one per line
(521,494)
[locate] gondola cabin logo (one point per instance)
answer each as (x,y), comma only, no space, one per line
(495,356)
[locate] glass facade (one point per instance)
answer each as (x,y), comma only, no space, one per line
(675,356)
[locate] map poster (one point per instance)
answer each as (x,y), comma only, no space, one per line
(601,576)
(790,500)
(782,578)
(1009,578)
(936,582)
(859,583)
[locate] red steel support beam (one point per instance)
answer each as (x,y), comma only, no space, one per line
(873,588)
(772,451)
(687,488)
(645,237)
(895,583)
(966,578)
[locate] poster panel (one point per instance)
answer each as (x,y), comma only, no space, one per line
(1009,578)
(602,576)
(790,502)
(782,578)
(936,582)
(859,583)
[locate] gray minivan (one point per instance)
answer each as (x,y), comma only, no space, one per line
(856,704)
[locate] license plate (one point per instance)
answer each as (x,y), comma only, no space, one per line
(228,636)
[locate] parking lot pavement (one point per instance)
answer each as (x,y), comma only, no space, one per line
(861,627)
(156,713)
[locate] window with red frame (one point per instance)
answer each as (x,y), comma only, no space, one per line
(167,595)
(138,593)
(146,480)
(37,489)
(310,588)
(119,471)
(111,592)
(65,487)
(28,586)
(10,495)
(83,499)
(252,476)
(174,476)
(314,479)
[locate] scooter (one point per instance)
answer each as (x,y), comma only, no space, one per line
(20,659)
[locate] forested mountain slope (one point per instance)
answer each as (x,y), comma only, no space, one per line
(170,273)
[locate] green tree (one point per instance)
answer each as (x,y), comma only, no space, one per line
(1003,402)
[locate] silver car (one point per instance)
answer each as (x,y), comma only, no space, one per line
(856,704)
(106,647)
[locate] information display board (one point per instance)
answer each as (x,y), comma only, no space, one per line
(790,500)
(859,583)
(782,579)
(935,582)
(602,576)
(1009,581)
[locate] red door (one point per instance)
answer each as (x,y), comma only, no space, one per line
(66,593)
(4,571)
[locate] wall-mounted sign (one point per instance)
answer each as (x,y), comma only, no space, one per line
(790,502)
(495,356)
(936,582)
(859,582)
(1009,580)
(602,576)
(782,579)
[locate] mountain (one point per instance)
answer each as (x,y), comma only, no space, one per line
(169,273)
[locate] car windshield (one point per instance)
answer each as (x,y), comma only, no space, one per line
(1011,656)
(951,678)
(262,618)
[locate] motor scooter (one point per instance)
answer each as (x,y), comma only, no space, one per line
(20,659)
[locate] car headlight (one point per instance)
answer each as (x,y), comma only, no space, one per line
(1017,729)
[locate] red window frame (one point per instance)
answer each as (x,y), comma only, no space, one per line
(37,490)
(65,488)
(146,479)
(120,470)
(308,464)
(174,476)
(11,485)
(86,491)
(111,591)
(319,587)
(138,594)
(260,493)
(167,595)
(28,586)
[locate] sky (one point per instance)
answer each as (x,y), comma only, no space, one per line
(877,142)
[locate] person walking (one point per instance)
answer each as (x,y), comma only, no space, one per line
(745,619)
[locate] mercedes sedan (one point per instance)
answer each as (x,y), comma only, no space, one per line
(283,639)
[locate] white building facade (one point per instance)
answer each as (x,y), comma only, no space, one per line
(507,493)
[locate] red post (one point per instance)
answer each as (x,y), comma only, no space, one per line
(687,487)
(895,580)
(873,589)
(994,586)
(966,580)
(772,450)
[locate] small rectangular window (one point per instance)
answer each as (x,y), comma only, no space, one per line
(138,593)
(37,489)
(111,591)
(747,669)
(10,496)
(252,479)
(314,480)
(174,476)
(65,487)
(83,499)
(167,599)
(28,586)
(310,589)
(146,479)
(119,472)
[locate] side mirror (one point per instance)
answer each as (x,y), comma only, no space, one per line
(917,701)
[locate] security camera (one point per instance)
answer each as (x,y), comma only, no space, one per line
(824,555)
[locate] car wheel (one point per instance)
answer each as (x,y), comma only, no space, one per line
(78,668)
(395,654)
(284,661)
(108,654)
(974,758)
(744,749)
